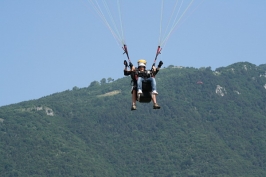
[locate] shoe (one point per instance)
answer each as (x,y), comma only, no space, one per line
(139,91)
(156,106)
(133,107)
(154,92)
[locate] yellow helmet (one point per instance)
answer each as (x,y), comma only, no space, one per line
(142,62)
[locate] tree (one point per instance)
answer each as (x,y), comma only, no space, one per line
(75,88)
(109,79)
(171,66)
(94,83)
(103,81)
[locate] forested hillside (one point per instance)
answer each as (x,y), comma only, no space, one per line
(211,123)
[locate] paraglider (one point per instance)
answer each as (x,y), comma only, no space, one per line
(144,84)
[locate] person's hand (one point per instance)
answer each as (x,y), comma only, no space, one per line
(125,63)
(160,64)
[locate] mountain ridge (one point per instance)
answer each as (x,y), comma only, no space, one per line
(197,132)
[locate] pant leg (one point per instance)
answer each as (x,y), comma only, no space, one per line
(153,83)
(139,82)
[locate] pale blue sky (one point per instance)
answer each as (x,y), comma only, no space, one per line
(52,46)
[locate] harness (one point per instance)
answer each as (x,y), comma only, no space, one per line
(144,74)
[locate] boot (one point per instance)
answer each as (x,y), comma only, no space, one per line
(133,107)
(156,106)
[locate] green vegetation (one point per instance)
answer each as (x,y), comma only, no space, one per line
(211,123)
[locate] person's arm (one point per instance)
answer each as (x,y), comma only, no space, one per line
(158,68)
(126,72)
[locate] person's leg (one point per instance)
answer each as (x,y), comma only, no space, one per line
(155,104)
(134,92)
(153,98)
(153,85)
(154,93)
(139,83)
(134,97)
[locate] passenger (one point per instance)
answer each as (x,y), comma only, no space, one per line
(134,83)
(137,81)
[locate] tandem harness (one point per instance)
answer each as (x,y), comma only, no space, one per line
(145,97)
(144,74)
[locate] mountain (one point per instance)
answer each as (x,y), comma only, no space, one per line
(211,123)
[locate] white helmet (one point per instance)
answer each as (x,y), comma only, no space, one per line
(142,63)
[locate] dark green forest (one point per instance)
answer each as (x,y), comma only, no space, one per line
(211,123)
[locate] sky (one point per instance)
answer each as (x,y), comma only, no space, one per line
(49,46)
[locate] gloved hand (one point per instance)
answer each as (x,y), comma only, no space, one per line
(125,63)
(130,65)
(160,64)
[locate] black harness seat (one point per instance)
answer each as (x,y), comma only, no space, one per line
(145,96)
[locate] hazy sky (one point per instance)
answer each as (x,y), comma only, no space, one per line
(52,46)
